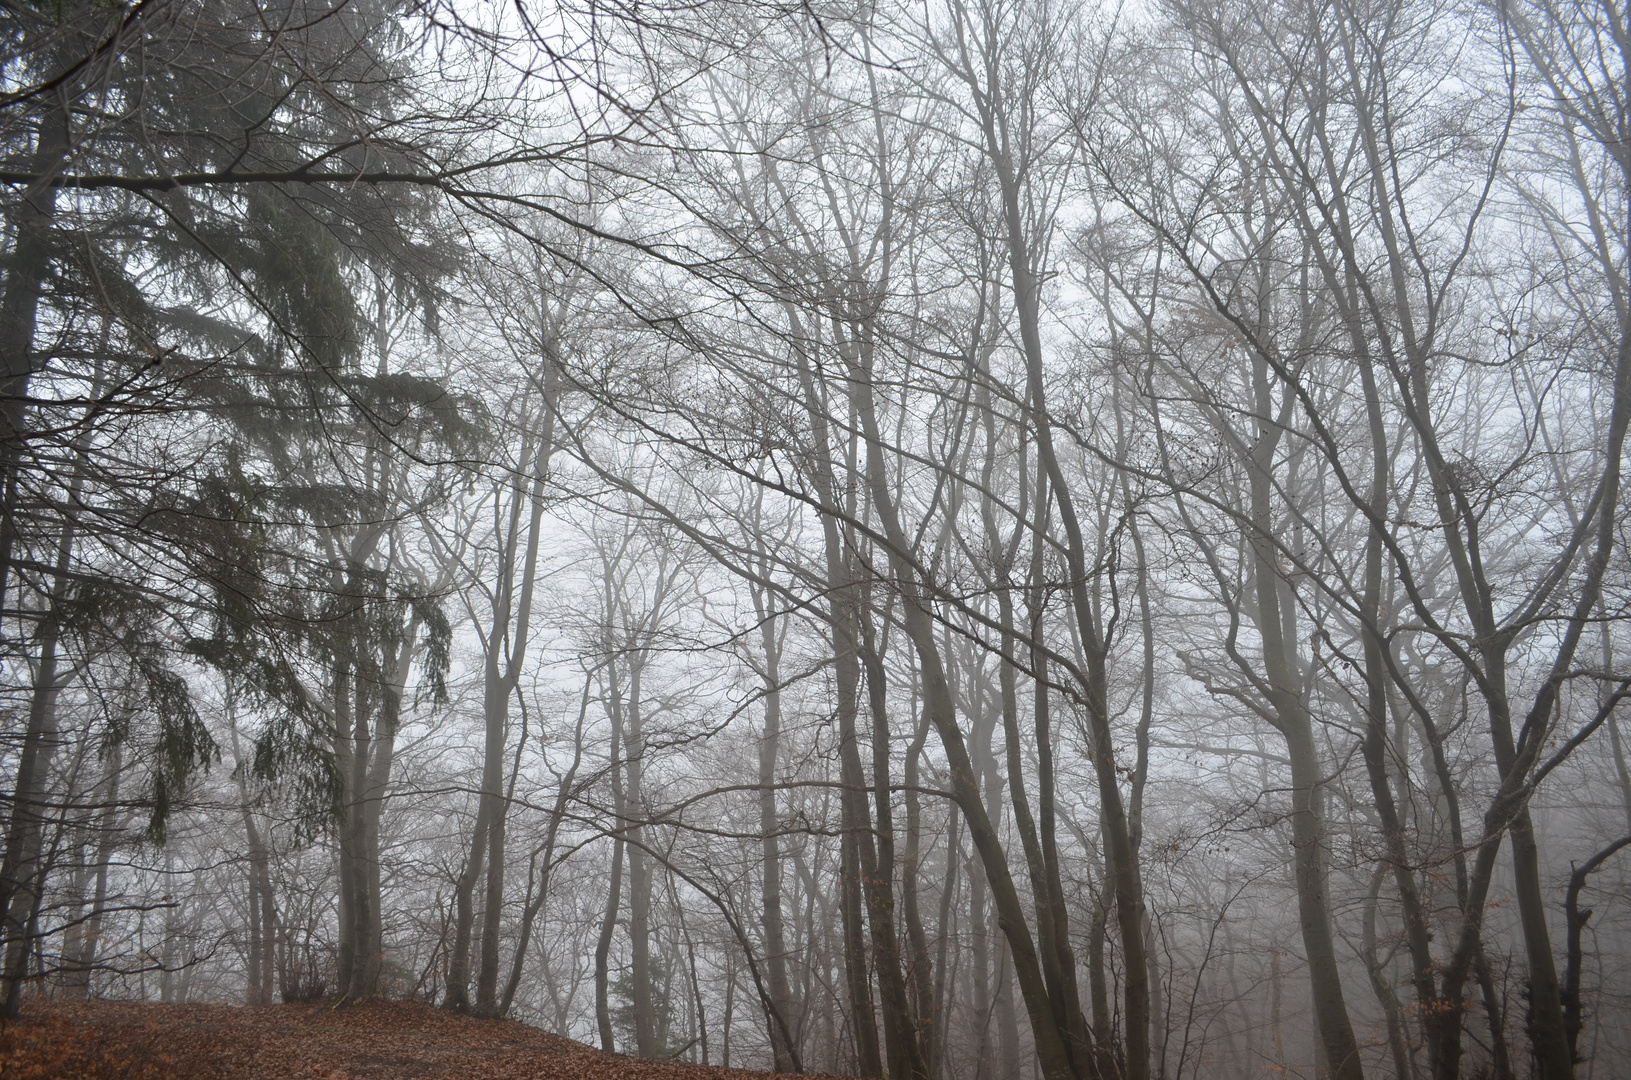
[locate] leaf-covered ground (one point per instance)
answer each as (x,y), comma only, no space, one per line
(377,1041)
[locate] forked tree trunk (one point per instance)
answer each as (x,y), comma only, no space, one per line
(457,995)
(545,853)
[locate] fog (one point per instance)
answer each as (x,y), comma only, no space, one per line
(979,540)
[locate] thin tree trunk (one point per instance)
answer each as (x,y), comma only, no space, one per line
(506,649)
(1375,746)
(944,988)
(1098,988)
(1341,1048)
(262,914)
(981,973)
(921,969)
(614,893)
(869,1059)
(458,968)
(546,853)
(83,957)
(904,1052)
(645,1030)
(354,702)
(1398,1044)
(782,1054)
(842,625)
(603,949)
(492,927)
(1008,1063)
(1495,1017)
(1573,1011)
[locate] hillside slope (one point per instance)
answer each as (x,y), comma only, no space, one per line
(377,1041)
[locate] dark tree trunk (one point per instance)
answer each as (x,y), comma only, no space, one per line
(614,892)
(22,869)
(25,275)
(782,1054)
(640,874)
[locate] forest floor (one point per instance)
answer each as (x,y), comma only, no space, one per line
(376,1041)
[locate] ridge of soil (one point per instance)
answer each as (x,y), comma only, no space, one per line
(106,1040)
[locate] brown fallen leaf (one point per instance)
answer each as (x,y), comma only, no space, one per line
(106,1040)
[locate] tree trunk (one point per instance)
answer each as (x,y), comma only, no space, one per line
(458,968)
(640,875)
(603,949)
(506,649)
(843,626)
(22,871)
(377,780)
(25,275)
(351,708)
(863,1025)
(945,988)
(614,893)
(546,853)
(496,740)
(782,1054)
(82,956)
(1574,1011)
(903,1051)
(1398,1043)
(1291,717)
(1375,746)
(921,969)
(262,912)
